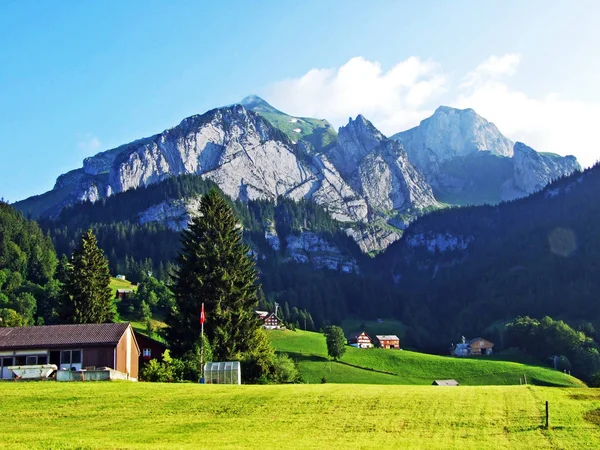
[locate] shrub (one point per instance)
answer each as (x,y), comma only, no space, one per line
(285,369)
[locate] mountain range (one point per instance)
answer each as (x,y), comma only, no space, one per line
(373,184)
(353,223)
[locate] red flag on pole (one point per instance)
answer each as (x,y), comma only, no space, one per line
(202,314)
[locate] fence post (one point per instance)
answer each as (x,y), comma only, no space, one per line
(547,414)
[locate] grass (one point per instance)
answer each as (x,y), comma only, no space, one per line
(116,283)
(125,415)
(379,366)
(157,321)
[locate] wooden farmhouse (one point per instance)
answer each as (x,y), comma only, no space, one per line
(388,341)
(72,348)
(270,320)
(477,347)
(123,293)
(360,340)
(480,346)
(149,348)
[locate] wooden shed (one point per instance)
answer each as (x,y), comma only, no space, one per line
(71,347)
(445,383)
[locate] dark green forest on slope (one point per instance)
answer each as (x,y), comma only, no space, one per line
(536,256)
(134,249)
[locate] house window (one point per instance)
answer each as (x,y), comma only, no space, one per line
(7,362)
(147,353)
(70,357)
(31,360)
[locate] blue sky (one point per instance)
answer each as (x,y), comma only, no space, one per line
(77,78)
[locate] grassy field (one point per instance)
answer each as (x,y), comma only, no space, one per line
(115,284)
(378,366)
(151,416)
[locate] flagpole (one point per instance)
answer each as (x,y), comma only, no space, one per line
(202,344)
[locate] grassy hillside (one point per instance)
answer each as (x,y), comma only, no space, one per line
(116,283)
(152,416)
(378,366)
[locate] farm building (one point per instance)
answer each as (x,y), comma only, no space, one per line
(480,346)
(360,340)
(270,320)
(387,341)
(445,383)
(72,348)
(477,346)
(149,348)
(227,372)
(123,293)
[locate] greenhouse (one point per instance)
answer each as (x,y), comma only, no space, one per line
(227,372)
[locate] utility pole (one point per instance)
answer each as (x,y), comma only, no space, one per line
(202,343)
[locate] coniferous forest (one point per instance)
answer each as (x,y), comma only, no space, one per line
(534,257)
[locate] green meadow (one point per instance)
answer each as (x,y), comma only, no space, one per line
(125,415)
(379,366)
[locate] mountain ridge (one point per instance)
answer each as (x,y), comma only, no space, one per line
(253,151)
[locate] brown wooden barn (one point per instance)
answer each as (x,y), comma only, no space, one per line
(388,341)
(360,340)
(149,348)
(71,347)
(480,346)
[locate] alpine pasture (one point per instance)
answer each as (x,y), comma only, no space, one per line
(379,366)
(192,416)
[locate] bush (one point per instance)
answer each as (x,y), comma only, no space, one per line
(285,369)
(595,380)
(158,372)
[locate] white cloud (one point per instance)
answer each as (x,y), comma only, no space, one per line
(401,97)
(492,68)
(548,124)
(89,144)
(394,99)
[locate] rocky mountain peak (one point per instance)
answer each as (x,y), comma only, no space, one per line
(256,103)
(452,132)
(533,170)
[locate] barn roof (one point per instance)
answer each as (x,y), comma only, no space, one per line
(472,341)
(387,337)
(445,383)
(62,335)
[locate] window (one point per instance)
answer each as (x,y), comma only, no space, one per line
(7,362)
(42,359)
(147,353)
(70,357)
(31,360)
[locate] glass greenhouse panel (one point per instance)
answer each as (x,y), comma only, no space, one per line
(226,372)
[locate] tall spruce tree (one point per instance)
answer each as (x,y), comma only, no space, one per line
(88,297)
(215,268)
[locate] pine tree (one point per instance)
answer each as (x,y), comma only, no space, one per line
(214,268)
(88,297)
